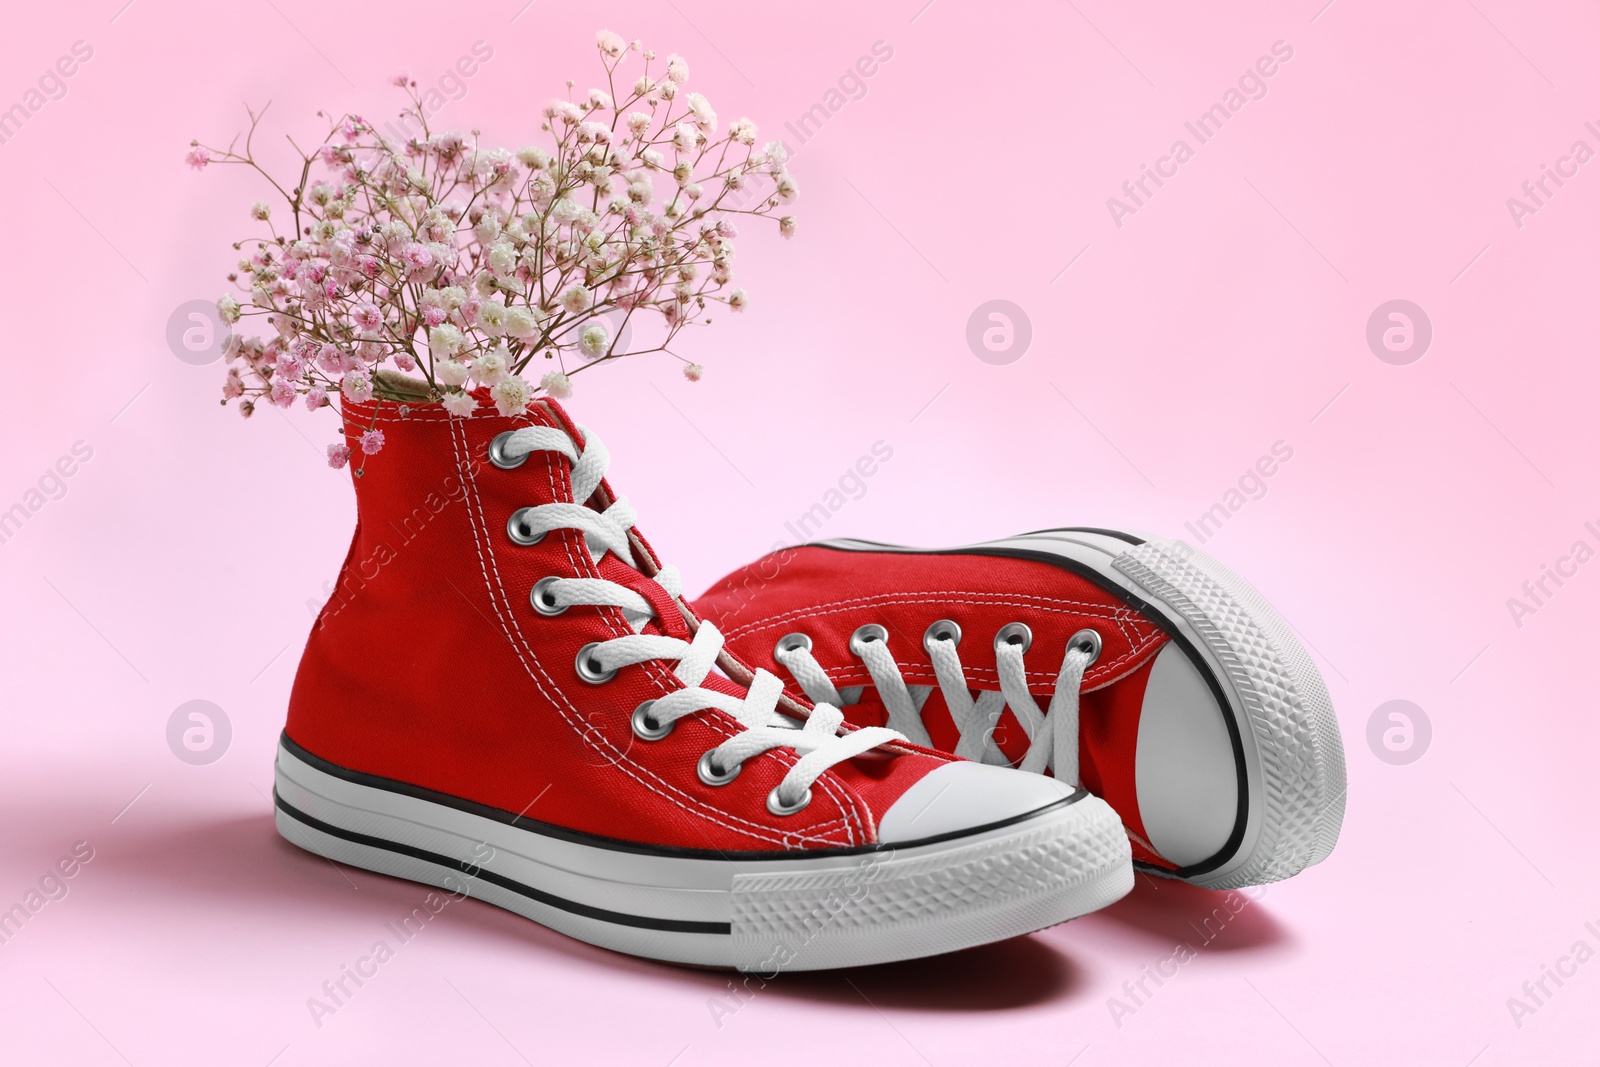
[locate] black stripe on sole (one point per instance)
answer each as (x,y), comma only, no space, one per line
(561,833)
(677,926)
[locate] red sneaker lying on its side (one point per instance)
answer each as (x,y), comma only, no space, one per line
(1158,677)
(507,696)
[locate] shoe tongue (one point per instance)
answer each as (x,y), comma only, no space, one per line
(668,618)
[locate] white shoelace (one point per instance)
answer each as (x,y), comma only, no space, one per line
(1053,733)
(818,743)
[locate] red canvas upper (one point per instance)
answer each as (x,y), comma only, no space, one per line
(827,593)
(429,666)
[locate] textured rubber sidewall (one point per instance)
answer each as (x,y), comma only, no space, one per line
(882,906)
(1284,706)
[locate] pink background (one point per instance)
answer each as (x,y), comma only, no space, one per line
(1227,314)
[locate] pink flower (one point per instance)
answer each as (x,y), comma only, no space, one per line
(405,362)
(433,316)
(401,80)
(316,398)
(289,367)
(367,317)
(357,386)
(338,456)
(329,361)
(372,442)
(417,256)
(282,393)
(693,371)
(198,158)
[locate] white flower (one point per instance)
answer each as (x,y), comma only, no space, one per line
(638,122)
(564,211)
(556,384)
(677,69)
(260,211)
(599,99)
(492,366)
(228,309)
(521,322)
(452,373)
(492,318)
(594,340)
(444,340)
(685,137)
(738,300)
(786,189)
(611,44)
(461,404)
(576,299)
(503,258)
(743,131)
(693,371)
(786,225)
(511,395)
(704,117)
(533,158)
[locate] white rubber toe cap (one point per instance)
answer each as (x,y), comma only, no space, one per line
(964,796)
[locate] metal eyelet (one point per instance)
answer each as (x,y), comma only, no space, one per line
(776,805)
(866,635)
(589,670)
(791,643)
(497,453)
(943,630)
(711,774)
(539,596)
(1089,641)
(517,528)
(645,728)
(1014,633)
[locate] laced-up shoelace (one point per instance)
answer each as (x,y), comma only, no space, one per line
(1052,733)
(818,742)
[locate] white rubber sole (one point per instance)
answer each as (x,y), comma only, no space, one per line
(793,911)
(1293,756)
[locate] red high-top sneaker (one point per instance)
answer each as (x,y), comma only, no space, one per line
(506,696)
(1172,687)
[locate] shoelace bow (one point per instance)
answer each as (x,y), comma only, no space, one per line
(818,742)
(1053,733)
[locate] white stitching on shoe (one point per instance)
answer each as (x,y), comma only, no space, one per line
(551,692)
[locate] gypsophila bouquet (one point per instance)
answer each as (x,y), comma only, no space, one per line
(482,268)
